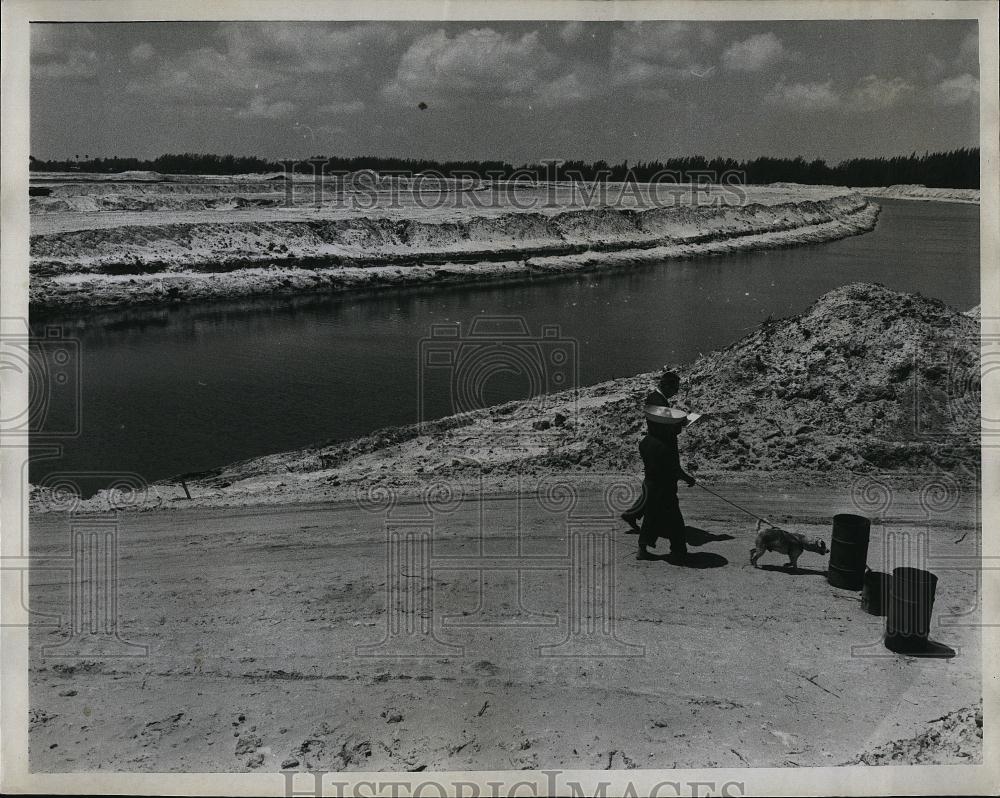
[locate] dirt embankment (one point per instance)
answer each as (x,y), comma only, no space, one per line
(920,192)
(866,381)
(953,739)
(154,258)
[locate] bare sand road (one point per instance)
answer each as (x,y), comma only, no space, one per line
(274,639)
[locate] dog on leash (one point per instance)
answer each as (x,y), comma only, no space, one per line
(793,544)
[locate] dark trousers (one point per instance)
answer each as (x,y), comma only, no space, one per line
(663,519)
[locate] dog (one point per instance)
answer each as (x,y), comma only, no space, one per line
(791,543)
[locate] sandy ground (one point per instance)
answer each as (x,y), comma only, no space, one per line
(254,621)
(462,595)
(111,243)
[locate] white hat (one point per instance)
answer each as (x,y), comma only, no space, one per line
(664,415)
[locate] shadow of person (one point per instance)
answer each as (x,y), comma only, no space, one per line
(699,537)
(697,559)
(787,569)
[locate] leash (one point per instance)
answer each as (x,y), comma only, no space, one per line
(734,504)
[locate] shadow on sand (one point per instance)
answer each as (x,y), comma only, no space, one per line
(696,559)
(785,569)
(699,537)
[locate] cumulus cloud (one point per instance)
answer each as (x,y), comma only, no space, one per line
(965,59)
(64,50)
(342,107)
(52,38)
(648,55)
(968,52)
(871,93)
(573,32)
(141,53)
(479,63)
(874,93)
(581,83)
(260,108)
(804,96)
(202,74)
(290,64)
(960,89)
(755,53)
(307,48)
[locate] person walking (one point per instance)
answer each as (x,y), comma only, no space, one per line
(666,387)
(661,464)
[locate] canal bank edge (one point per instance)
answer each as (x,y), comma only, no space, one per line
(100,269)
(769,416)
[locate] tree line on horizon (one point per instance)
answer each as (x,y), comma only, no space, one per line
(952,169)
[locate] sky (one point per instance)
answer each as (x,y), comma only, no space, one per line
(519,92)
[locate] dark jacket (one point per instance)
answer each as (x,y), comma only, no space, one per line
(661,461)
(662,513)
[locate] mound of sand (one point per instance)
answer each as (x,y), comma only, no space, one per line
(953,739)
(865,381)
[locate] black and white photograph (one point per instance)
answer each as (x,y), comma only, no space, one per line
(480,399)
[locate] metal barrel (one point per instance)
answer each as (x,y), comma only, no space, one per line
(848,551)
(911,602)
(875,592)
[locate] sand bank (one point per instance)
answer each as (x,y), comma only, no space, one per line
(111,258)
(831,396)
(918,192)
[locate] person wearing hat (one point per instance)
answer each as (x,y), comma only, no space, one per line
(662,468)
(667,386)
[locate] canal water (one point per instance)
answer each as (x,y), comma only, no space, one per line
(170,391)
